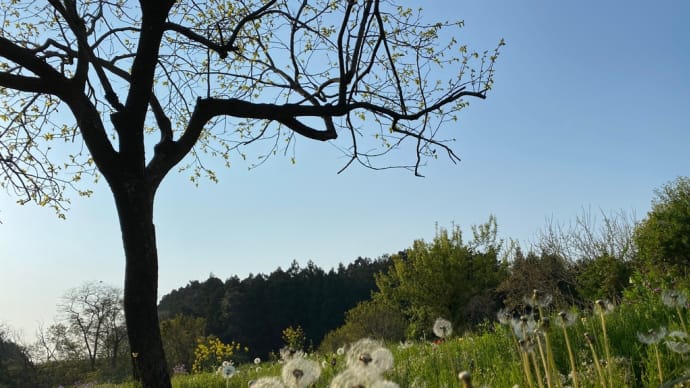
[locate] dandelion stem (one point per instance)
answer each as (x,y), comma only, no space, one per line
(544,362)
(658,363)
(526,367)
(570,357)
(682,321)
(597,364)
(536,370)
(606,350)
(549,358)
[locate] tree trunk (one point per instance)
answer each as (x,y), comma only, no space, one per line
(134,201)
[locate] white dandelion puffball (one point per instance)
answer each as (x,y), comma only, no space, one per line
(359,354)
(300,372)
(442,328)
(652,336)
(382,360)
(353,377)
(227,369)
(673,298)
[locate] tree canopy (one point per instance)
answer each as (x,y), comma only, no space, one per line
(446,278)
(663,238)
(214,77)
(255,310)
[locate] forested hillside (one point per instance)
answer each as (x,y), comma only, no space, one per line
(254,311)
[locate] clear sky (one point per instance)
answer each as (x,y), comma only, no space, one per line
(590,109)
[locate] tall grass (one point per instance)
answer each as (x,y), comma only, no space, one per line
(613,357)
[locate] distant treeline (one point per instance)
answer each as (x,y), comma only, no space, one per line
(254,311)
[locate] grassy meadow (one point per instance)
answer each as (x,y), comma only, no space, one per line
(640,342)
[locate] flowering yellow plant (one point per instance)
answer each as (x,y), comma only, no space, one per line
(210,352)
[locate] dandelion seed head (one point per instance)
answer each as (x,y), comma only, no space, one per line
(603,306)
(340,351)
(353,378)
(672,298)
(227,369)
(652,336)
(678,334)
(538,299)
(566,318)
(504,316)
(524,327)
(286,354)
(677,342)
(678,347)
(465,377)
(300,372)
(257,361)
(361,351)
(382,360)
(442,328)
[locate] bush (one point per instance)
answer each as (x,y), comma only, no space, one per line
(373,318)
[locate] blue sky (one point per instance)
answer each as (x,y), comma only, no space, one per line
(590,109)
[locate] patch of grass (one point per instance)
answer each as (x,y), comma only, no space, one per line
(493,357)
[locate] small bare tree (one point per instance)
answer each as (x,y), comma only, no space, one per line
(54,343)
(587,237)
(93,314)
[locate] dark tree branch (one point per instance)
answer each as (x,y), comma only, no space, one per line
(382,32)
(154,15)
(52,81)
(230,46)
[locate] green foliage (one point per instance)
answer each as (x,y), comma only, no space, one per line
(373,319)
(604,277)
(294,338)
(663,238)
(16,368)
(199,300)
(548,273)
(255,310)
(180,336)
(210,353)
(78,372)
(446,278)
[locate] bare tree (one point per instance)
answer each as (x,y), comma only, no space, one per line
(588,237)
(92,314)
(53,343)
(132,88)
